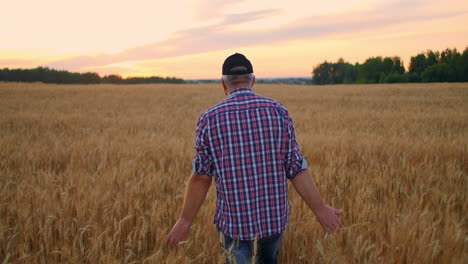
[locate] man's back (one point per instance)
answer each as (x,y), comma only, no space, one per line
(247,142)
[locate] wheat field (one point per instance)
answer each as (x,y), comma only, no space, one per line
(96,173)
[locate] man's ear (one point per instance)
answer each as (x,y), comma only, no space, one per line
(224,86)
(253,81)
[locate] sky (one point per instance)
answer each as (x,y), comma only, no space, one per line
(191,39)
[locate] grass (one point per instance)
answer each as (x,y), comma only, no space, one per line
(96,173)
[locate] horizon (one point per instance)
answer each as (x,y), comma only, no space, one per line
(281,40)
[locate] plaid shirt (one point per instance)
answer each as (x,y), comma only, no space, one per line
(247,143)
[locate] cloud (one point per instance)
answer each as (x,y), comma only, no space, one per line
(250,16)
(207,9)
(221,36)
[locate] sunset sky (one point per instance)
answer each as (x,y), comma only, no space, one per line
(191,39)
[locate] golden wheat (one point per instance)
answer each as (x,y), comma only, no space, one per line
(96,173)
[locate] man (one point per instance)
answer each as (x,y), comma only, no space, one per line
(248,145)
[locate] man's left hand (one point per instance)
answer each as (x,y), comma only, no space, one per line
(179,233)
(328,218)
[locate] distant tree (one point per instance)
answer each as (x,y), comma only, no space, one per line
(461,66)
(441,72)
(334,73)
(174,80)
(413,77)
(387,65)
(341,70)
(432,57)
(351,73)
(113,78)
(418,64)
(89,77)
(370,71)
(449,56)
(322,73)
(47,75)
(430,66)
(382,77)
(396,77)
(398,65)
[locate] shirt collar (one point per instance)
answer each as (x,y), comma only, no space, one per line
(239,91)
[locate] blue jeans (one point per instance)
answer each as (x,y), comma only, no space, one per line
(242,251)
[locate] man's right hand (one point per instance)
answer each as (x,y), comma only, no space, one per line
(328,218)
(195,194)
(179,233)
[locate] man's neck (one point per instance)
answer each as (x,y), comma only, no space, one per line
(230,90)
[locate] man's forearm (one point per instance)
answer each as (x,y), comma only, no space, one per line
(305,186)
(327,216)
(195,195)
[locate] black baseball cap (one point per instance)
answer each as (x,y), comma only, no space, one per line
(237,64)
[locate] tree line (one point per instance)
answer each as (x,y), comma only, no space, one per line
(47,75)
(446,66)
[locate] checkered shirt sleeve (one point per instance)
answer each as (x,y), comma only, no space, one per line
(203,161)
(294,161)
